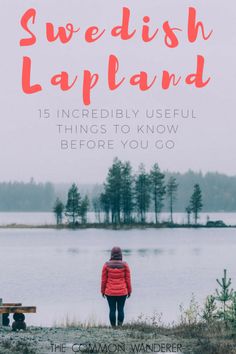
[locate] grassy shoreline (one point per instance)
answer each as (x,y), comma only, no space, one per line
(131,338)
(114,227)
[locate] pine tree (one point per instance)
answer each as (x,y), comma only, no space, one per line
(127,204)
(96,201)
(224,295)
(73,204)
(232,310)
(58,211)
(142,193)
(188,212)
(210,308)
(171,191)
(113,187)
(105,205)
(196,202)
(158,189)
(84,207)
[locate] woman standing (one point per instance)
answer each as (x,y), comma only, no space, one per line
(116,285)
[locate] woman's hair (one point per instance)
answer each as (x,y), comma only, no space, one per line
(116,254)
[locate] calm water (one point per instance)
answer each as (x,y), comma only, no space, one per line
(59,271)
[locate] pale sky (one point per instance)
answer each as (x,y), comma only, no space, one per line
(30,146)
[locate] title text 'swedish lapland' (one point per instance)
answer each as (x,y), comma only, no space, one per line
(115,78)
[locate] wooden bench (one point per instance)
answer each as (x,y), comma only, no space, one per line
(18,314)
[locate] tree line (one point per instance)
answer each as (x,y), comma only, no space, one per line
(219,193)
(26,196)
(127,197)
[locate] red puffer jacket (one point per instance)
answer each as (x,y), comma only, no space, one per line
(116,280)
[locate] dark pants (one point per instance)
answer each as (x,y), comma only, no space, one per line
(116,303)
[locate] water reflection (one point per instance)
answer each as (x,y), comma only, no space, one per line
(143,252)
(125,251)
(196,251)
(73,250)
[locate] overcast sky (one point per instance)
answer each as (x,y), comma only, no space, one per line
(30,146)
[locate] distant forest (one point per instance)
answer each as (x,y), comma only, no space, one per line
(31,196)
(218,193)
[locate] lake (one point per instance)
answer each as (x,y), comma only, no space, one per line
(59,270)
